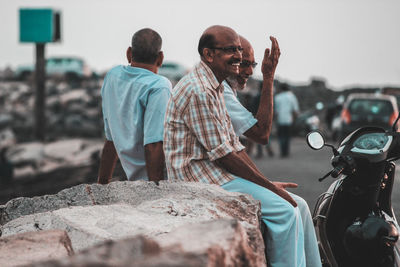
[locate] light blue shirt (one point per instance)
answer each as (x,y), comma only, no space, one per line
(241,118)
(285,104)
(134,101)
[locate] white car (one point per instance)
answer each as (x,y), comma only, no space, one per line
(68,67)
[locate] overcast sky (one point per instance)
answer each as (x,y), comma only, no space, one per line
(346,42)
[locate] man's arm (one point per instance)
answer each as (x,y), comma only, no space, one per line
(262,129)
(155,161)
(239,164)
(108,160)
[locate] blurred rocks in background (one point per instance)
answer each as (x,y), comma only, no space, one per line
(70,112)
(42,168)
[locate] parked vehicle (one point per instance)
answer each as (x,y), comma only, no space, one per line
(173,71)
(365,110)
(354,220)
(306,122)
(394,91)
(67,67)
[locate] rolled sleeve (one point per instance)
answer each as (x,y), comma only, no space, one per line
(220,151)
(237,145)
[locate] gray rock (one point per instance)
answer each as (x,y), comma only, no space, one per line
(31,159)
(94,213)
(23,249)
(26,154)
(240,206)
(5,120)
(225,242)
(7,138)
(216,243)
(74,96)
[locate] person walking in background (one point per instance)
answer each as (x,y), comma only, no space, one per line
(286,111)
(134,101)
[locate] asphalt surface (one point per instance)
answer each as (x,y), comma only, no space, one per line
(304,166)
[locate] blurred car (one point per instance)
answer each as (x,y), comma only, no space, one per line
(173,71)
(68,67)
(365,110)
(394,91)
(306,122)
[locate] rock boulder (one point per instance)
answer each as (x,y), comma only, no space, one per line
(25,248)
(172,214)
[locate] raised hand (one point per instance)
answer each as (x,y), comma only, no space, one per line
(271,58)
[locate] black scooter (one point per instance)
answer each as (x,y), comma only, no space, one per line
(354,220)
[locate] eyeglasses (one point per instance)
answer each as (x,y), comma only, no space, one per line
(246,64)
(229,49)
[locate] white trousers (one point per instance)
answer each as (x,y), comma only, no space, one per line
(290,237)
(313,258)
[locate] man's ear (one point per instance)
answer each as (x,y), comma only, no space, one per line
(208,54)
(129,54)
(160,59)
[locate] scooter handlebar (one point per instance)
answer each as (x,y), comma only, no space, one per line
(338,170)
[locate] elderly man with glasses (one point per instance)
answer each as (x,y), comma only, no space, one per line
(200,145)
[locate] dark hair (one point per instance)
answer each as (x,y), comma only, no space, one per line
(206,41)
(284,87)
(146,44)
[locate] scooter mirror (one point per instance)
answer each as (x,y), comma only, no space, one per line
(315,140)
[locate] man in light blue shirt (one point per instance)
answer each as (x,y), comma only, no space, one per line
(259,128)
(286,110)
(134,101)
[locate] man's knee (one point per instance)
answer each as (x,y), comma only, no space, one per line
(289,212)
(301,204)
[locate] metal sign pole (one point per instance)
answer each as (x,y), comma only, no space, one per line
(40,93)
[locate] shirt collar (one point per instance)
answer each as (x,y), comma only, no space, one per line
(208,78)
(226,84)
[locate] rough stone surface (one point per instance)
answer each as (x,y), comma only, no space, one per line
(216,243)
(23,249)
(137,251)
(224,241)
(175,199)
(94,213)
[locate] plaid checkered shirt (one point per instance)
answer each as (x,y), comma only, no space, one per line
(198,129)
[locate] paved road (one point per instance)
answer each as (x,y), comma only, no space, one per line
(304,167)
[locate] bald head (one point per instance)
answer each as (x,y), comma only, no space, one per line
(219,48)
(209,37)
(247,48)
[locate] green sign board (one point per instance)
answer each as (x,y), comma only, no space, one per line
(39,25)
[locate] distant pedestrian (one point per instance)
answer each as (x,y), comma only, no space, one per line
(286,111)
